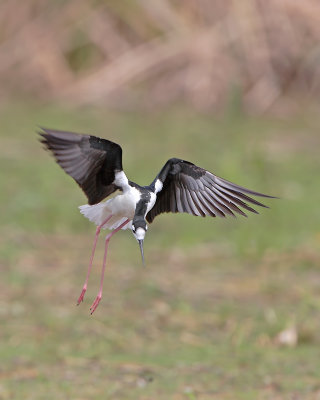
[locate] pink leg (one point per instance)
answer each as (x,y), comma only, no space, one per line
(98,298)
(80,299)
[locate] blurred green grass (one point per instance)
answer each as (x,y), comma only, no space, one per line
(273,156)
(202,320)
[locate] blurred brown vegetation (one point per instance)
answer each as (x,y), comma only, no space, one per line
(133,52)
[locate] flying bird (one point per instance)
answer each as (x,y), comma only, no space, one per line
(180,187)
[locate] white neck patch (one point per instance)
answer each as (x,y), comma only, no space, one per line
(158,186)
(121,180)
(140,233)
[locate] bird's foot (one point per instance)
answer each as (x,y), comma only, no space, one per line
(95,304)
(80,299)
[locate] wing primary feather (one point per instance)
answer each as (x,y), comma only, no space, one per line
(191,183)
(188,205)
(192,205)
(211,210)
(166,200)
(178,200)
(92,162)
(173,200)
(235,189)
(189,188)
(235,200)
(218,200)
(234,186)
(247,198)
(198,204)
(227,201)
(223,203)
(220,210)
(193,209)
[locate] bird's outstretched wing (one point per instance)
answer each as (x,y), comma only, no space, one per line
(92,162)
(188,188)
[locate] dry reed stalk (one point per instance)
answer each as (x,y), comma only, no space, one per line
(85,52)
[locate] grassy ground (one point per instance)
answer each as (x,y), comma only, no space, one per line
(202,321)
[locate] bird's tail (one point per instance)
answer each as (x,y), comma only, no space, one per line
(98,213)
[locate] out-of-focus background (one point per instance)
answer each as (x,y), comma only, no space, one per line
(226,309)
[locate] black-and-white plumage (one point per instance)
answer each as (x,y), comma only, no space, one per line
(92,162)
(188,188)
(96,165)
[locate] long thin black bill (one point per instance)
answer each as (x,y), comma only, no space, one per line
(141,249)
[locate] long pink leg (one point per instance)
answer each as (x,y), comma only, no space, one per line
(98,298)
(80,299)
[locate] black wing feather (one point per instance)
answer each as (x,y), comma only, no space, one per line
(89,160)
(191,189)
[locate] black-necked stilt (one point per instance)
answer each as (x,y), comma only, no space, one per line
(96,165)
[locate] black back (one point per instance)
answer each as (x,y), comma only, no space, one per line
(91,161)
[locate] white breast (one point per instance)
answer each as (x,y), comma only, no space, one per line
(124,204)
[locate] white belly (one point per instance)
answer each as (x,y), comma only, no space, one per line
(121,207)
(124,204)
